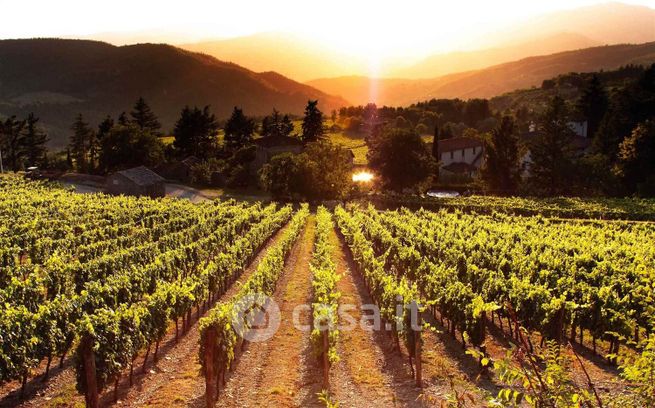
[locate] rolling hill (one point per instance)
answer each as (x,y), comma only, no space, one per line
(301,59)
(443,64)
(488,82)
(56,79)
(288,54)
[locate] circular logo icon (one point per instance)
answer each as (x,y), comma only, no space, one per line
(256,317)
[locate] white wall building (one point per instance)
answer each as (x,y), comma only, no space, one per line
(461,155)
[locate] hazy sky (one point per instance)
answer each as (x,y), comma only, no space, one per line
(362,26)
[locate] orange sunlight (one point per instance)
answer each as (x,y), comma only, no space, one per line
(376,31)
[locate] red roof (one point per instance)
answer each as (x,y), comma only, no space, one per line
(458,143)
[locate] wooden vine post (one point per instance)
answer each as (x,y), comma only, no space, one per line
(417,348)
(89,358)
(211,383)
(326,358)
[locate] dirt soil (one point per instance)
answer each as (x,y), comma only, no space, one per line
(284,372)
(281,372)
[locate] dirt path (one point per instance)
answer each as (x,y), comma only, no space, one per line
(280,372)
(372,373)
(357,380)
(176,380)
(177,366)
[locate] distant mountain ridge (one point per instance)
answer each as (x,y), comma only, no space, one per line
(487,82)
(443,64)
(56,79)
(583,27)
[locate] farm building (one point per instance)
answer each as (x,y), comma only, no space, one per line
(461,155)
(138,181)
(178,170)
(267,147)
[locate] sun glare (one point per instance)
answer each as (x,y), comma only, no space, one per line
(363,177)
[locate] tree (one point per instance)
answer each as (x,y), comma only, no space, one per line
(501,170)
(129,146)
(476,110)
(122,119)
(196,132)
(435,143)
(333,116)
(276,126)
(401,159)
(551,153)
(105,126)
(322,171)
(34,141)
(312,123)
(281,176)
(80,142)
(11,141)
(286,126)
(628,107)
(144,117)
(446,132)
(636,165)
(239,130)
(592,105)
(266,126)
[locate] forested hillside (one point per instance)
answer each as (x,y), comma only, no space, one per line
(57,79)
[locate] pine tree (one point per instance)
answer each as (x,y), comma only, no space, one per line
(129,146)
(11,141)
(80,142)
(312,124)
(275,125)
(286,126)
(266,126)
(122,119)
(592,105)
(144,118)
(239,130)
(196,132)
(34,141)
(501,170)
(551,153)
(105,126)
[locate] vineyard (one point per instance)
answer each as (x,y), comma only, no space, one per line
(635,209)
(112,299)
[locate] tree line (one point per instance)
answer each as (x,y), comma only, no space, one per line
(22,142)
(619,161)
(547,158)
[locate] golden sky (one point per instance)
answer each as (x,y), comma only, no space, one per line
(377,29)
